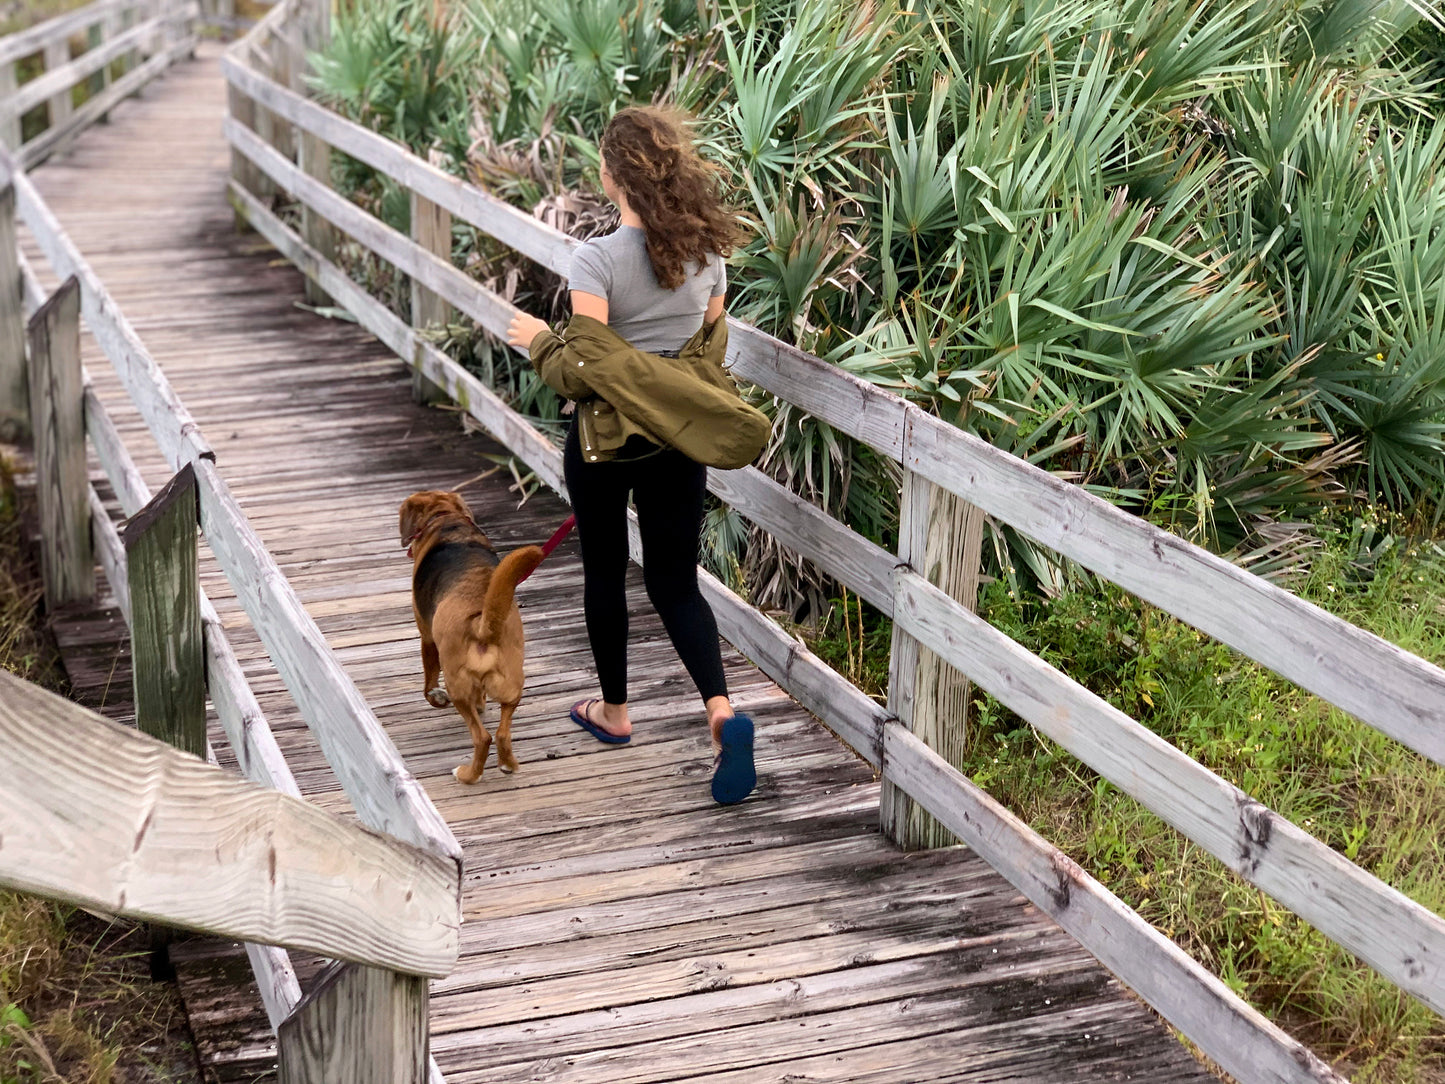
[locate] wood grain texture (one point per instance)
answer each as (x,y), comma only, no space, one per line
(318,441)
(895,807)
(468,203)
(57,422)
(99,815)
(1398,693)
(1202,589)
(14,399)
(47,142)
(1246,1044)
(168,656)
(33,39)
(314,159)
(171,424)
(431,228)
(357,1024)
(62,73)
(384,792)
(1396,936)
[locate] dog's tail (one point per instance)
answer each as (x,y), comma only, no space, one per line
(514,567)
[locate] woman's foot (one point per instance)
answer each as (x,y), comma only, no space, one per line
(734,775)
(606,722)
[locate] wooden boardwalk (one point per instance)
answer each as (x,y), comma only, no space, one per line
(619,927)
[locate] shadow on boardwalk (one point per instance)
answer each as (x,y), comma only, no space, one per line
(618,925)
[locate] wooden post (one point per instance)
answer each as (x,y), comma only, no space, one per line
(168,654)
(14,399)
(9,128)
(359,1024)
(57,420)
(243,170)
(431,227)
(57,55)
(941,538)
(315,23)
(315,161)
(94,39)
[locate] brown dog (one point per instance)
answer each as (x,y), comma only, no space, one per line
(470,627)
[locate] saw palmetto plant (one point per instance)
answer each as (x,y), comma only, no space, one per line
(1189,255)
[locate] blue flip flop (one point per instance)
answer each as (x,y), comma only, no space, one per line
(580,718)
(734,776)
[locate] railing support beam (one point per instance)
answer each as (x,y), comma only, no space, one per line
(167,650)
(359,1024)
(14,397)
(57,421)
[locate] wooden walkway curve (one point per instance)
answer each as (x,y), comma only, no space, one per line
(619,927)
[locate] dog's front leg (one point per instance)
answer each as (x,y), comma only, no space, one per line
(481,742)
(431,668)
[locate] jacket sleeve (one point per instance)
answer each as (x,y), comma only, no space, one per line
(560,366)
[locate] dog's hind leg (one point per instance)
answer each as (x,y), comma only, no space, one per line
(481,742)
(505,760)
(431,668)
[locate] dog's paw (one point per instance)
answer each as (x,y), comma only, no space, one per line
(507,766)
(464,774)
(438,697)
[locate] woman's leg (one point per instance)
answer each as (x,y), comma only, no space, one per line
(599,501)
(668,491)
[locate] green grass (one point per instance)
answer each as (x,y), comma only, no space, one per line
(1360,792)
(76,1002)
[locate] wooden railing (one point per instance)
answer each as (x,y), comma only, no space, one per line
(1390,689)
(140,38)
(364,1023)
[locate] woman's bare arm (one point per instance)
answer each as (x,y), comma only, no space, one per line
(714,309)
(589,305)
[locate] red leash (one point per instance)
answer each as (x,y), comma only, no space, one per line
(556,540)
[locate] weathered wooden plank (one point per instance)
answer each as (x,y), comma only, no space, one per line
(34,39)
(1225,1027)
(110,551)
(1396,936)
(14,398)
(895,808)
(467,202)
(431,228)
(147,831)
(314,159)
(357,1024)
(46,143)
(54,89)
(62,73)
(810,532)
(58,424)
(1392,690)
(385,794)
(171,424)
(168,667)
(275,980)
(469,392)
(434,273)
(9,129)
(130,487)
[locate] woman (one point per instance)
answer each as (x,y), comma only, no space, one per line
(657,282)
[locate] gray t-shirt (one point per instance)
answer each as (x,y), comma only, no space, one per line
(642,312)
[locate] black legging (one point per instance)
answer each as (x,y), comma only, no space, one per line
(667,488)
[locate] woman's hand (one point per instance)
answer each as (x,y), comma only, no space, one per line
(523,329)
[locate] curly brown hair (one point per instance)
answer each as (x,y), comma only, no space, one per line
(650,154)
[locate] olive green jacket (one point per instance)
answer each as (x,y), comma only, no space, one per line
(689,402)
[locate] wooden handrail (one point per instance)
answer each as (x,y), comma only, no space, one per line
(366,762)
(33,39)
(1223,600)
(1396,692)
(96,814)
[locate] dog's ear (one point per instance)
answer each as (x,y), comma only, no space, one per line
(413,511)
